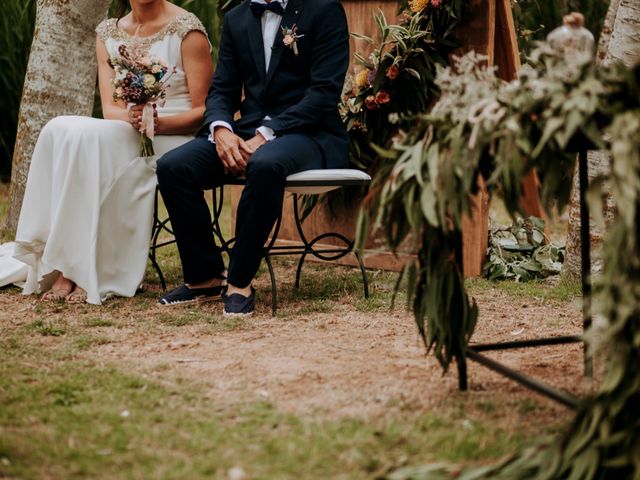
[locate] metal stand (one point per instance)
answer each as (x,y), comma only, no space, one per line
(473,351)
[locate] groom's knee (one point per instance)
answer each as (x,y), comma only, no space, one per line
(264,165)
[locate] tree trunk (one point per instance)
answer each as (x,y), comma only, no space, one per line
(60,80)
(619,42)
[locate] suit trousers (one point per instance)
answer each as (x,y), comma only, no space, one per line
(186,172)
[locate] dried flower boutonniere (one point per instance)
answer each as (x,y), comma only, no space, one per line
(290,38)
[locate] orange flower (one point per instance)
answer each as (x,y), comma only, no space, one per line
(392,72)
(417,6)
(382,97)
(361,79)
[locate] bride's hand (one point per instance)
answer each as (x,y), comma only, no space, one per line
(135,116)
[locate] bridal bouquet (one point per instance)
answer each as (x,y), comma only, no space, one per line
(140,79)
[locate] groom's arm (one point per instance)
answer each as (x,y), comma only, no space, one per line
(225,92)
(329,63)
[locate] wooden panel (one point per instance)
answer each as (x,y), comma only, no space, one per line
(507,56)
(360,17)
(479,31)
(508,59)
(479,34)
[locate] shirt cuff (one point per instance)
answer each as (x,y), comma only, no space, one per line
(217,123)
(266,132)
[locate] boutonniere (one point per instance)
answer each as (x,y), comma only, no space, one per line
(290,38)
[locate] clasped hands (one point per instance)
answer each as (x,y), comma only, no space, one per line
(135,116)
(234,152)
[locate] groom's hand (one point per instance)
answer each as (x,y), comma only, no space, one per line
(229,147)
(251,146)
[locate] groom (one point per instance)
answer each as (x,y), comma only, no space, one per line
(282,64)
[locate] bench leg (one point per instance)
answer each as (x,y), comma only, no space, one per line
(154,262)
(155,233)
(299,269)
(272,275)
(363,271)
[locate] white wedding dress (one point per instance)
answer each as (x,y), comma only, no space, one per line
(88,205)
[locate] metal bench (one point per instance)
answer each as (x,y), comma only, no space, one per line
(310,182)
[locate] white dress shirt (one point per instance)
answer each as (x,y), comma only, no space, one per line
(270,25)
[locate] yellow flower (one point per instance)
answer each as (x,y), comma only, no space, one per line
(417,6)
(361,79)
(149,80)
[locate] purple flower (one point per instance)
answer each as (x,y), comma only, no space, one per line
(372,76)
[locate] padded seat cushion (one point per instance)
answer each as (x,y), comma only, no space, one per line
(313,182)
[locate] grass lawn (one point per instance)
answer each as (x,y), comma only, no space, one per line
(334,387)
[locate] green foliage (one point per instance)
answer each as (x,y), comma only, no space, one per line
(565,290)
(46,328)
(500,132)
(536,18)
(398,77)
(521,252)
(16,31)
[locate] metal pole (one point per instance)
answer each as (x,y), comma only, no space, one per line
(557,395)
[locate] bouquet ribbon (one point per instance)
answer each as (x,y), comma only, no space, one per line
(147,124)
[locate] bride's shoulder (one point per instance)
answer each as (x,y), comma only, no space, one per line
(107,29)
(185,23)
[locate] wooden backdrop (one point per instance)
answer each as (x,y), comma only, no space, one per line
(490,30)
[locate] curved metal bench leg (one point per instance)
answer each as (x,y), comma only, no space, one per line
(299,269)
(363,271)
(158,270)
(272,274)
(155,233)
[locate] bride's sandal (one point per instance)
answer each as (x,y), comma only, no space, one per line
(55,295)
(77,296)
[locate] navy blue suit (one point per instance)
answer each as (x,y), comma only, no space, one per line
(299,93)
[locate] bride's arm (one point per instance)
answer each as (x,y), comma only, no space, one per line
(196,61)
(111,110)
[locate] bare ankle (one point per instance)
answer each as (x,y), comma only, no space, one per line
(245,292)
(214,282)
(62,282)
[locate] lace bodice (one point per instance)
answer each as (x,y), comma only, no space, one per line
(165,44)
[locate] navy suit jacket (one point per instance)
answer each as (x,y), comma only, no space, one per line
(299,93)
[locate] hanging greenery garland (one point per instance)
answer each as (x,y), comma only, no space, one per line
(481,127)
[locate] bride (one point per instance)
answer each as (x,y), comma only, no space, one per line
(85,222)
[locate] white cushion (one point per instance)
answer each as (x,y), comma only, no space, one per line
(313,182)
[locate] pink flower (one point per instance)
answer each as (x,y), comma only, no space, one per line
(145,62)
(382,97)
(370,102)
(392,72)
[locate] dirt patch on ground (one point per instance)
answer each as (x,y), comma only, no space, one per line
(351,363)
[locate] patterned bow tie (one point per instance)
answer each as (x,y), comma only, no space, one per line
(259,8)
